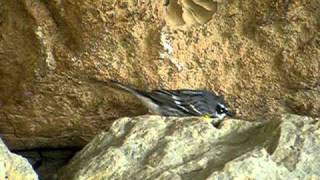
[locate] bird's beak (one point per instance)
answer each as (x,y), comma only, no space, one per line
(230,114)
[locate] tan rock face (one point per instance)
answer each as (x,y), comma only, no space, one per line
(264,57)
(151,147)
(13,166)
(147,147)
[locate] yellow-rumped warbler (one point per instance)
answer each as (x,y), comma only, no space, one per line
(181,102)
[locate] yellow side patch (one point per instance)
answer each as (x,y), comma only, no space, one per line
(206,118)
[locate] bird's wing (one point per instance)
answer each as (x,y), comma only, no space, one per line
(189,101)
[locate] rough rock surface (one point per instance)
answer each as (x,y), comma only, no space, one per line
(13,166)
(295,157)
(263,56)
(151,146)
(167,148)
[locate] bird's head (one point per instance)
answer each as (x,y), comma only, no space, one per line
(218,107)
(221,111)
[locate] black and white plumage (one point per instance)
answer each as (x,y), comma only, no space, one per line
(182,102)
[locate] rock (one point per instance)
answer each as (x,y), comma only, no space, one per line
(256,164)
(263,57)
(295,157)
(169,148)
(186,13)
(13,166)
(153,147)
(299,146)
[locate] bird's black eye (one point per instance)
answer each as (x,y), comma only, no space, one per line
(220,109)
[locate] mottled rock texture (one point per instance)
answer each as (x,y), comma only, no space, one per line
(296,155)
(168,148)
(13,166)
(186,13)
(262,55)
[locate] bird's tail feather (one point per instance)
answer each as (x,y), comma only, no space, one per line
(118,85)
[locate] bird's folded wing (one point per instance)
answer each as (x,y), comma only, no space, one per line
(184,100)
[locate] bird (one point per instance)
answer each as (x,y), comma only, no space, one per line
(179,102)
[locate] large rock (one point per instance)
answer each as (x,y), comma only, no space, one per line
(13,166)
(264,57)
(296,155)
(151,147)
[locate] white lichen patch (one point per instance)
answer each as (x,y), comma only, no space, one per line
(166,44)
(167,52)
(47,50)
